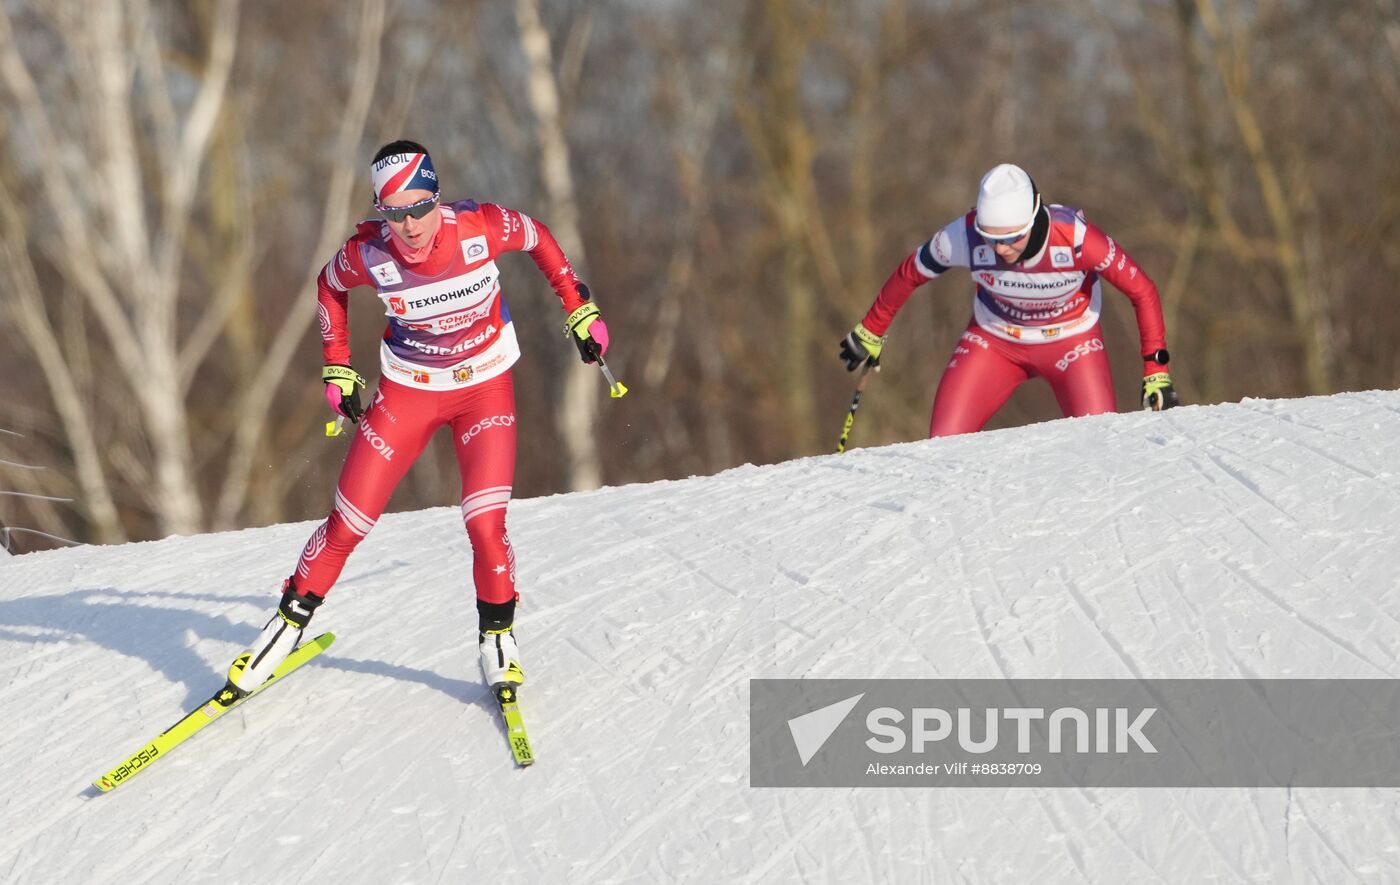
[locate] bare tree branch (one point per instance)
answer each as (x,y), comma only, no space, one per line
(1310,317)
(26,306)
(255,403)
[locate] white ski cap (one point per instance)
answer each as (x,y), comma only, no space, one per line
(1006,198)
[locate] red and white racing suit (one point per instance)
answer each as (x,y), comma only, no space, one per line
(1038,316)
(445,360)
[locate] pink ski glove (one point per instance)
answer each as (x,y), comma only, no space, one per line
(341,394)
(598,331)
(588,332)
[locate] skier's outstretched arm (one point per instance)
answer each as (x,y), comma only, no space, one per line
(945,249)
(1109,260)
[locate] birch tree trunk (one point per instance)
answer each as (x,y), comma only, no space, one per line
(131,276)
(26,307)
(125,130)
(255,405)
(577,414)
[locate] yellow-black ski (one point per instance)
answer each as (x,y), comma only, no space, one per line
(515,725)
(224,699)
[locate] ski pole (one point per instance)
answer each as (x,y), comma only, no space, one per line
(336,427)
(855,404)
(617,390)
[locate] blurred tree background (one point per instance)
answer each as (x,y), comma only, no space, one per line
(734,180)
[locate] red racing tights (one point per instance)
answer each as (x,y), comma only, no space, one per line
(392,434)
(985,370)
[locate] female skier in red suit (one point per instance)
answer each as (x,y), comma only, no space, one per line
(1035,311)
(445,361)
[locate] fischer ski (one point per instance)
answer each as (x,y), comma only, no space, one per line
(519,739)
(221,702)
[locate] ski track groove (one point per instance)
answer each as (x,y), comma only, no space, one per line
(869,856)
(1285,555)
(1327,456)
(1046,804)
(1263,817)
(1071,850)
(1260,830)
(1244,482)
(1298,616)
(1091,615)
(1343,863)
(639,827)
(1090,798)
(790,845)
(1319,452)
(1208,836)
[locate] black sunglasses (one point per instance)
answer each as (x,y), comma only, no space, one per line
(397,214)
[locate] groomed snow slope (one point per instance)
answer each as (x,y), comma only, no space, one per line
(1246,540)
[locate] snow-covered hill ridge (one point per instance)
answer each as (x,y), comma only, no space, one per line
(1255,539)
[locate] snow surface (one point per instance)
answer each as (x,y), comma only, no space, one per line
(1245,540)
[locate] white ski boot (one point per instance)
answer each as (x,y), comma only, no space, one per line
(500,658)
(277,640)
